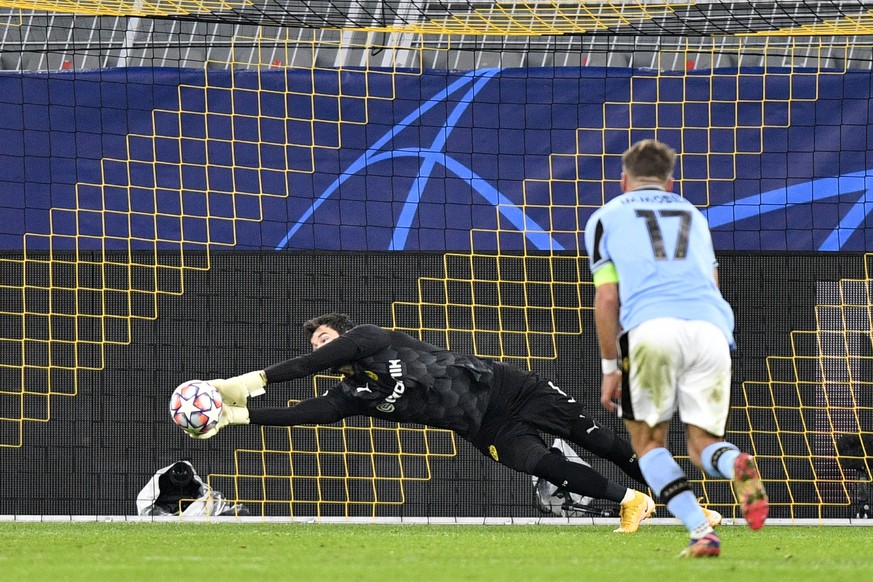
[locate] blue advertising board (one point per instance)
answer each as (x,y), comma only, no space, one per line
(374,160)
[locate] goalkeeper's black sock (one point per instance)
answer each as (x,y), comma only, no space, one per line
(577,478)
(607,445)
(623,455)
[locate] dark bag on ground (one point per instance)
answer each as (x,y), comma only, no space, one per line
(177,489)
(855,452)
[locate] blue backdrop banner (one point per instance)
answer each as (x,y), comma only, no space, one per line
(436,160)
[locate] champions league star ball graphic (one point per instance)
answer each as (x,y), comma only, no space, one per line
(196,406)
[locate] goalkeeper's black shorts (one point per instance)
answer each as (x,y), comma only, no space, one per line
(522,406)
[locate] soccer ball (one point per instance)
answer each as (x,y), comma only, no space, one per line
(196,406)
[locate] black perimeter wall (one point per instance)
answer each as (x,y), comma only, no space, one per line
(101,446)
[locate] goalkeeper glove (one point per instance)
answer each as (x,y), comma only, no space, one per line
(229,415)
(235,391)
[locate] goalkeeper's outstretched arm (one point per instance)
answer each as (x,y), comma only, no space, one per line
(318,410)
(342,350)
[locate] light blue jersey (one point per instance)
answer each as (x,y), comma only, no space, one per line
(661,248)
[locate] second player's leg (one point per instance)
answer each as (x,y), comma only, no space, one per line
(552,410)
(519,446)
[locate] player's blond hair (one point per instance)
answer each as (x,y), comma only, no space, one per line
(649,160)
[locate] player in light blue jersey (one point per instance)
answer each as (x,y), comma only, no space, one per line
(658,305)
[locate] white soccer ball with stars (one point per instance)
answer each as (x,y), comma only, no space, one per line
(196,406)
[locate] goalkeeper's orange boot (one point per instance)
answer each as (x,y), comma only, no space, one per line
(750,491)
(709,546)
(633,512)
(713,518)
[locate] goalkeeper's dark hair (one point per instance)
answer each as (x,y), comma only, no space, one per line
(338,322)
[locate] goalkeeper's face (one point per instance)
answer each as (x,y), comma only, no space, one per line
(323,335)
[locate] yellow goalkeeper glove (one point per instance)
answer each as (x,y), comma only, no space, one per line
(236,391)
(229,415)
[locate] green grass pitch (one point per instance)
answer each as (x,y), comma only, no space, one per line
(245,552)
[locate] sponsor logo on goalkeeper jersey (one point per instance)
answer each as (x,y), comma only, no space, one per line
(396,372)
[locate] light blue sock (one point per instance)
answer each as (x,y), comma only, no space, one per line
(660,470)
(724,467)
(685,507)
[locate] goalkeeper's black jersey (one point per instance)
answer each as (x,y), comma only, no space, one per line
(393,376)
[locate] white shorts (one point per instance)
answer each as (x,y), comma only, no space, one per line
(678,364)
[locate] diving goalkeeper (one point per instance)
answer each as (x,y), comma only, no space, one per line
(497,407)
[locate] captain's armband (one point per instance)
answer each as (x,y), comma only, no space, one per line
(605,274)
